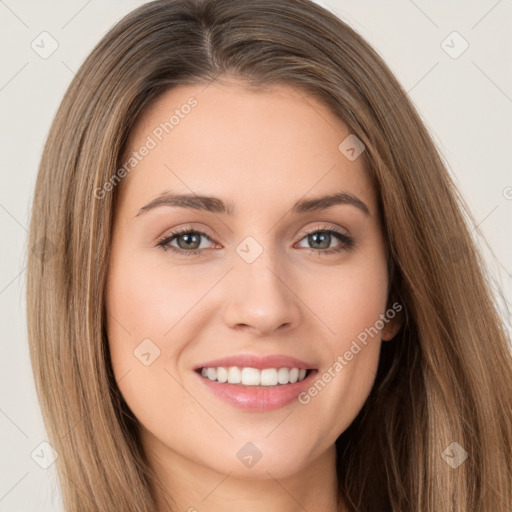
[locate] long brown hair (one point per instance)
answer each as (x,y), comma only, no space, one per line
(445,378)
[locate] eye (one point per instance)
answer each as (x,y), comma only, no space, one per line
(321,238)
(188,241)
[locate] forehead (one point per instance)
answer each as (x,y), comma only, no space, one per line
(254,146)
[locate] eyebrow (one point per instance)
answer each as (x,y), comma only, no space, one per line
(216,205)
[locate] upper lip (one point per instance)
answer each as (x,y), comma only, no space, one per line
(256,361)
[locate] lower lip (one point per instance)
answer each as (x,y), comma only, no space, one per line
(258,398)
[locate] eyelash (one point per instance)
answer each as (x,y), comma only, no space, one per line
(347,241)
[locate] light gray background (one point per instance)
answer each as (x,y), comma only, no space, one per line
(466,102)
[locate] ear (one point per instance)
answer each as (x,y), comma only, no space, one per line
(394,321)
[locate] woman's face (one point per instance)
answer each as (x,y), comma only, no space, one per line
(282,291)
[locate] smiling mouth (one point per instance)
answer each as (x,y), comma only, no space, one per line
(248,376)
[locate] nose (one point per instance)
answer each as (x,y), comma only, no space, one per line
(261,298)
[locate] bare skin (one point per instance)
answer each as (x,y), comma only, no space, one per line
(260,152)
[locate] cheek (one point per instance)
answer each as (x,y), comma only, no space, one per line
(348,300)
(152,314)
(142,308)
(349,303)
(149,299)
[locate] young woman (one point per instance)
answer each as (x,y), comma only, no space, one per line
(246,296)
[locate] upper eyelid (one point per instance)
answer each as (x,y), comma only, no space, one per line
(185,230)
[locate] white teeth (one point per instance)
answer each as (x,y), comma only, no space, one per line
(283,375)
(222,374)
(253,376)
(234,375)
(294,375)
(269,377)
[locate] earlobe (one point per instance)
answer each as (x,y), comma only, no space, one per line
(389,332)
(391,328)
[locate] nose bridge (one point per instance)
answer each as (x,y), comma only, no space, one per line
(260,293)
